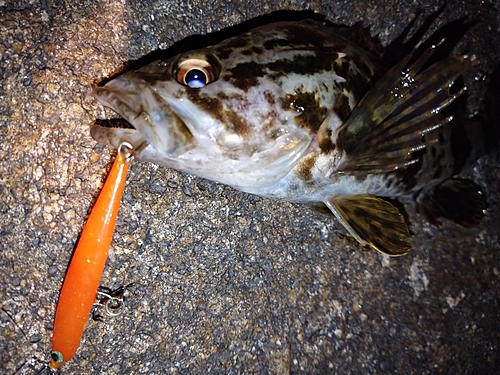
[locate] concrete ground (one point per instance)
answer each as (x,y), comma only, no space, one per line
(224,282)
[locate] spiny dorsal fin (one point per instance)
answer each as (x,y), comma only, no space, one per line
(389,123)
(373,221)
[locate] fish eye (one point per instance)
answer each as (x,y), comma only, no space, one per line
(195,78)
(195,73)
(56,356)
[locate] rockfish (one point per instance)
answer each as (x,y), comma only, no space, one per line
(293,111)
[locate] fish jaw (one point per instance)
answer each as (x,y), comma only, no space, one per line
(131,97)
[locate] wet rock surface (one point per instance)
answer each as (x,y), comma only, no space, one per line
(224,282)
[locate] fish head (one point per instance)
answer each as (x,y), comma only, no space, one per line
(242,112)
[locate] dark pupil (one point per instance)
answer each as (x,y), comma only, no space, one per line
(195,78)
(56,356)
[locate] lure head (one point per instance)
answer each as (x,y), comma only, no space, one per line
(56,359)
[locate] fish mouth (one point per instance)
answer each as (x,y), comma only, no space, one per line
(144,116)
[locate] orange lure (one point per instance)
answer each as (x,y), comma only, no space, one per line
(82,279)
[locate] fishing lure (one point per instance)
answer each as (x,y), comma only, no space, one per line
(82,279)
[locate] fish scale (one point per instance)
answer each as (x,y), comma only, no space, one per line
(293,111)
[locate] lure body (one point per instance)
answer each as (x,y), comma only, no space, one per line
(82,279)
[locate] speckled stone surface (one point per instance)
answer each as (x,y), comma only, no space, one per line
(224,282)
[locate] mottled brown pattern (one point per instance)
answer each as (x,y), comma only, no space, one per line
(270,98)
(257,50)
(305,166)
(235,122)
(312,113)
(225,49)
(245,75)
(357,83)
(326,144)
(342,108)
(241,41)
(214,107)
(273,44)
(341,66)
(307,64)
(211,105)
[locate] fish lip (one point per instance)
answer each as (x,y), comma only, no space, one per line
(138,103)
(112,95)
(116,130)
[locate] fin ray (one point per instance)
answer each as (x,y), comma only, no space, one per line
(373,221)
(390,122)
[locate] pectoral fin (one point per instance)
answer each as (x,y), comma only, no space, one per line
(455,199)
(389,123)
(373,221)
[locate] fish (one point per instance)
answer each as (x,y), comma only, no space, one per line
(295,111)
(81,283)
